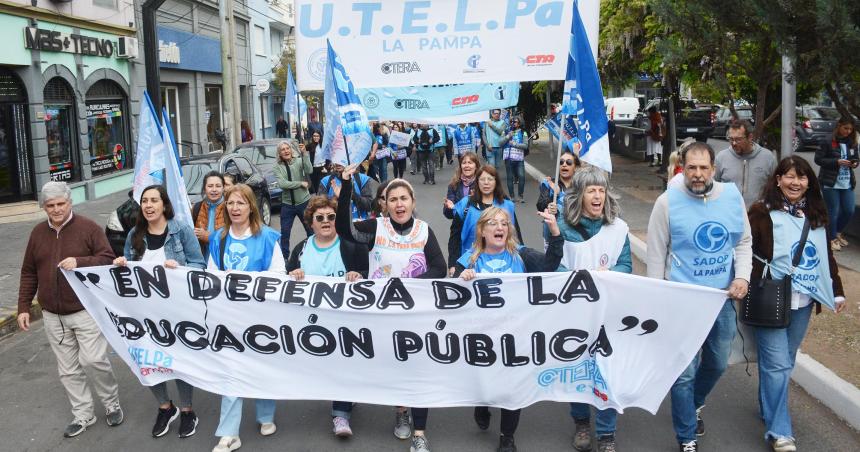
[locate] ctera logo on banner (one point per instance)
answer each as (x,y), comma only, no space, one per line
(396,43)
(441,101)
(609,339)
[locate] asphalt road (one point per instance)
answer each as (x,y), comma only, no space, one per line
(35,409)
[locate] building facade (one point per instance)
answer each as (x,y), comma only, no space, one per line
(67,101)
(272,24)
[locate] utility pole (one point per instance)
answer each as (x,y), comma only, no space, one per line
(230,84)
(789,104)
(150,51)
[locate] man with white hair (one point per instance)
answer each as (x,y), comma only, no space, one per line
(69,241)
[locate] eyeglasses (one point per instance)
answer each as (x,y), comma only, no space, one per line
(502,223)
(737,140)
(320,217)
(567,162)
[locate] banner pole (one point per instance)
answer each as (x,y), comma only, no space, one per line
(299,133)
(558,157)
(345,147)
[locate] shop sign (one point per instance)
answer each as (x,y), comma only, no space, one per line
(168,52)
(103,111)
(56,41)
(107,163)
(61,171)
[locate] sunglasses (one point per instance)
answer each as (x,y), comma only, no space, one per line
(320,217)
(568,162)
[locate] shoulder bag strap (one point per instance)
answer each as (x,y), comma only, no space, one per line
(221,249)
(800,245)
(582,231)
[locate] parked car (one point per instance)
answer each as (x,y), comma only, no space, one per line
(814,123)
(690,121)
(622,110)
(264,154)
(243,171)
(724,116)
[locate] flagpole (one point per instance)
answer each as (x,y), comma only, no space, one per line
(558,157)
(345,148)
(299,134)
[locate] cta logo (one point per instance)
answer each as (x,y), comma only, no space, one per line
(400,67)
(411,104)
(465,100)
(538,60)
(473,64)
(711,237)
(809,259)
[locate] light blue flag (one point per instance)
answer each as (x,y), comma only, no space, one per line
(148,166)
(290,98)
(569,137)
(583,97)
(346,124)
(173,181)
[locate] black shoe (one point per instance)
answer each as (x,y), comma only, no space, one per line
(187,424)
(482,417)
(690,446)
(412,173)
(432,182)
(165,417)
(700,424)
(506,444)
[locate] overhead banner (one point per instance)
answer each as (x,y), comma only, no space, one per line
(608,339)
(397,43)
(402,103)
(478,116)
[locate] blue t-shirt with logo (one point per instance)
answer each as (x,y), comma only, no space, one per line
(326,261)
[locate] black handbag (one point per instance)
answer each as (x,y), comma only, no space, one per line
(768,300)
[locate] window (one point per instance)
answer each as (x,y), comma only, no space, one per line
(259,40)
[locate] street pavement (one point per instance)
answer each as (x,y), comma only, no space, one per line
(36,409)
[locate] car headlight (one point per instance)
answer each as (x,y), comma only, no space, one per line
(113,222)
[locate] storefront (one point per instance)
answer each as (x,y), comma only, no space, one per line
(61,132)
(16,166)
(107,128)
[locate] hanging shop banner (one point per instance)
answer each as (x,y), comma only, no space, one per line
(401,103)
(609,339)
(397,43)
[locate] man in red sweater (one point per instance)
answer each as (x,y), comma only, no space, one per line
(69,241)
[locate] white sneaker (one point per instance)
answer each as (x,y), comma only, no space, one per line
(783,444)
(227,444)
(268,428)
(402,424)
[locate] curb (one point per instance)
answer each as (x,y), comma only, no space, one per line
(838,395)
(9,319)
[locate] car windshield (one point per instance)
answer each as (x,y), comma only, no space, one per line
(193,174)
(827,114)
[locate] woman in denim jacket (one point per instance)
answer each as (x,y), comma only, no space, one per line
(158,238)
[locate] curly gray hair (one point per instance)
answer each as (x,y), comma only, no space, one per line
(582,179)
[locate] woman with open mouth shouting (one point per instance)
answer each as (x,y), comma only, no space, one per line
(157,237)
(496,251)
(487,193)
(325,254)
(399,245)
(595,238)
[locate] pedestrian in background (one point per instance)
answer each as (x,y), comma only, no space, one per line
(160,239)
(398,154)
(247,135)
(654,137)
(281,127)
(494,130)
(838,157)
(319,167)
(516,148)
(292,172)
(745,163)
(441,146)
(68,241)
(425,140)
(791,197)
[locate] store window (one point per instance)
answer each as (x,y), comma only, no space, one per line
(61,136)
(107,128)
(16,173)
(214,118)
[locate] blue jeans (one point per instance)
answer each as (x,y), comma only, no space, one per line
(494,158)
(288,214)
(777,350)
(604,422)
(840,208)
(697,380)
(231,414)
(515,169)
(381,166)
(341,409)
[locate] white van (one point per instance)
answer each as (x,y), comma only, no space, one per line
(622,110)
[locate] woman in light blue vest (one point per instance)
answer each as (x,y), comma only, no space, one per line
(244,244)
(791,197)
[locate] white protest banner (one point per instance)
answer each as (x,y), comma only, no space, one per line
(396,43)
(398,138)
(604,338)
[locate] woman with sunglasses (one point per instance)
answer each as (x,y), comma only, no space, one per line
(487,193)
(552,193)
(495,250)
(157,237)
(516,147)
(325,254)
(399,245)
